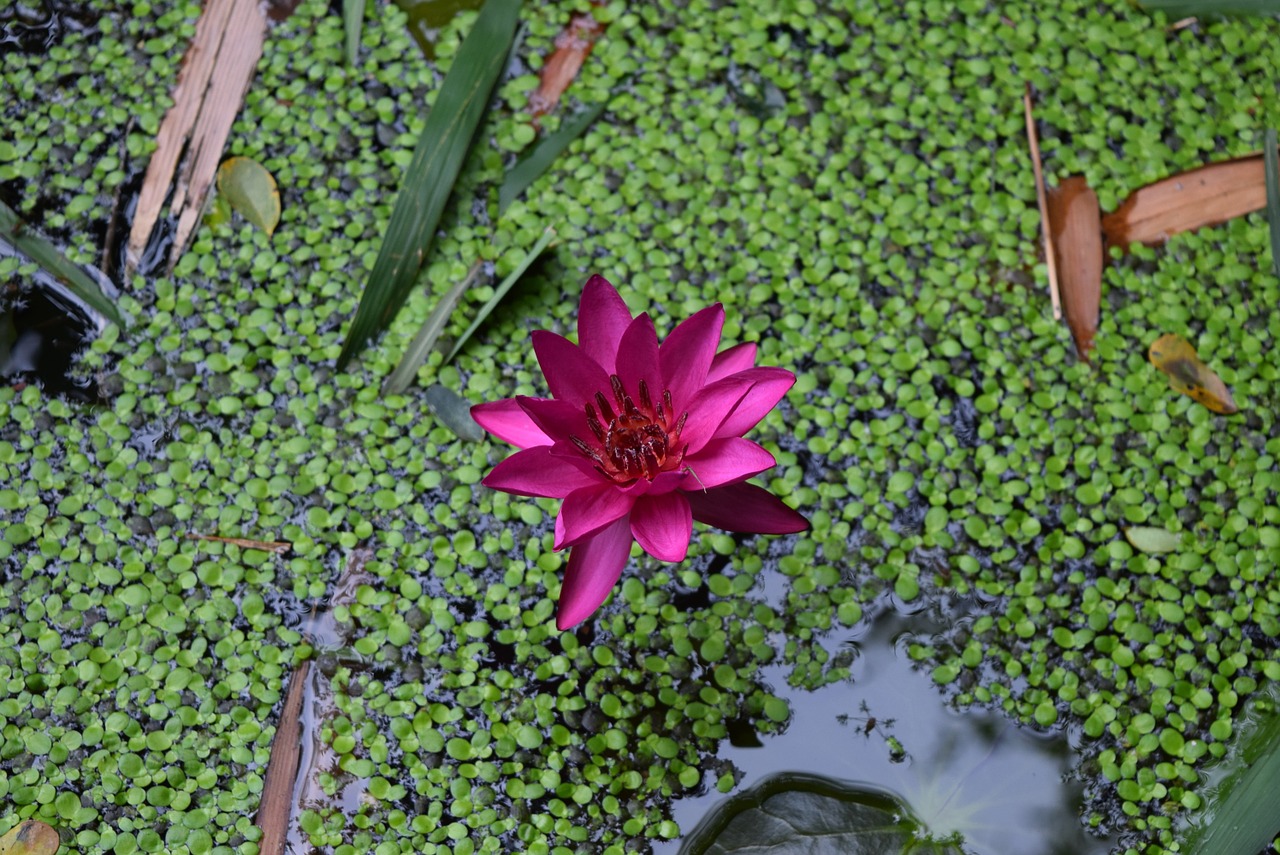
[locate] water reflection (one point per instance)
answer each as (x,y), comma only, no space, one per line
(1004,788)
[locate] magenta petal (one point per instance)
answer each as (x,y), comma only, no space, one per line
(602,319)
(638,360)
(712,405)
(586,511)
(687,353)
(507,421)
(731,360)
(723,461)
(571,375)
(594,568)
(747,508)
(662,525)
(535,472)
(762,397)
(557,419)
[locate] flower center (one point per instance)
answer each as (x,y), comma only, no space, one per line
(634,438)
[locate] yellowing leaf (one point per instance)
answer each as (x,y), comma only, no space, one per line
(1175,356)
(1152,540)
(251,191)
(30,838)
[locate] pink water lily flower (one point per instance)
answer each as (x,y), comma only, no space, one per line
(639,439)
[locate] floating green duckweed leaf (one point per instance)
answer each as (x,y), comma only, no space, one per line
(1175,356)
(30,838)
(251,191)
(1152,540)
(437,159)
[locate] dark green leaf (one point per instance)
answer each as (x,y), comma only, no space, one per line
(428,335)
(439,155)
(501,292)
(80,284)
(792,812)
(1271,164)
(453,412)
(539,159)
(1241,818)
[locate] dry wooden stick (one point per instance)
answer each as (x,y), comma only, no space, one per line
(1044,206)
(279,547)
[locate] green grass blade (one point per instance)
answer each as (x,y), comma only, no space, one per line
(79,283)
(501,292)
(531,167)
(429,181)
(428,335)
(1243,814)
(353,22)
(1271,165)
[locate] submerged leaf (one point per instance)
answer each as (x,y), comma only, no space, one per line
(428,334)
(250,190)
(30,838)
(453,412)
(1152,540)
(1075,221)
(1175,356)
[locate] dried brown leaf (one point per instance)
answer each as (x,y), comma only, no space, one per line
(1075,223)
(216,73)
(1206,196)
(282,767)
(572,46)
(30,837)
(1175,356)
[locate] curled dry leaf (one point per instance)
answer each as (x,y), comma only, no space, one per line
(1175,356)
(1206,196)
(30,837)
(1075,223)
(572,47)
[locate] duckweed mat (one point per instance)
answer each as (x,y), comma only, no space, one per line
(852,181)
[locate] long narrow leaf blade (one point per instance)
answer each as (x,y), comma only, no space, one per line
(79,283)
(439,155)
(1271,164)
(1197,8)
(531,167)
(428,335)
(353,22)
(1243,814)
(501,292)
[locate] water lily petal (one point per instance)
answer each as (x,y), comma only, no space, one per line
(662,525)
(762,397)
(587,510)
(687,353)
(731,360)
(557,419)
(602,319)
(723,461)
(594,568)
(507,421)
(638,359)
(571,375)
(747,508)
(534,472)
(715,402)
